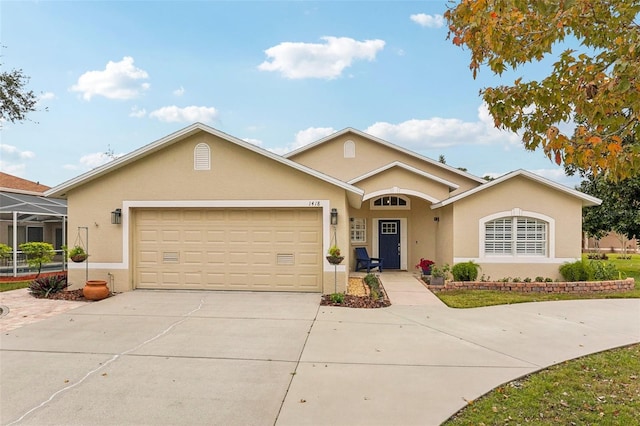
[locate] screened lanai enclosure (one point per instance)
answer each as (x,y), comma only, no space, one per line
(31,218)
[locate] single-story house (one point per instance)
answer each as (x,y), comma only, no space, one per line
(27,216)
(200,209)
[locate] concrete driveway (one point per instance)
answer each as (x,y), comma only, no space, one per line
(223,358)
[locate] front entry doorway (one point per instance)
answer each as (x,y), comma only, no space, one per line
(389,247)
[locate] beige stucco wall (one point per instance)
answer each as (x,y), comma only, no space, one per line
(236,174)
(403,179)
(421,229)
(528,196)
(328,158)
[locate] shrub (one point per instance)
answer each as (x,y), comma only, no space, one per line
(465,271)
(527,280)
(337,297)
(45,286)
(576,271)
(372,282)
(5,251)
(603,271)
(539,279)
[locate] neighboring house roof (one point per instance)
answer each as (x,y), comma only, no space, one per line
(587,200)
(10,183)
(387,144)
(409,168)
(355,194)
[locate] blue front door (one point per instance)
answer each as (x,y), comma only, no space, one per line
(389,243)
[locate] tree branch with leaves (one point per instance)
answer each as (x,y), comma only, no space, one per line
(597,87)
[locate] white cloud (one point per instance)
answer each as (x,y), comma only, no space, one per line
(179,92)
(304,137)
(137,112)
(430,21)
(91,161)
(46,96)
(173,114)
(440,132)
(12,159)
(314,60)
(119,80)
(14,152)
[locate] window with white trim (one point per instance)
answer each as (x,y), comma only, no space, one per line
(390,202)
(516,236)
(358,229)
(349,149)
(201,157)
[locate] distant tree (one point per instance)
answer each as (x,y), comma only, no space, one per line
(441,159)
(599,84)
(15,100)
(619,211)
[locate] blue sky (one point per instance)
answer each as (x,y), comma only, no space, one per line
(117,75)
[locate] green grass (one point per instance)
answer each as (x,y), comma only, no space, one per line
(476,298)
(13,285)
(603,388)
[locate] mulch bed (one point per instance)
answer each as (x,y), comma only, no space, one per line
(30,277)
(358,296)
(355,302)
(75,295)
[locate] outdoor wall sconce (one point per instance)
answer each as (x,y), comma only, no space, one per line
(334,216)
(436,219)
(116,216)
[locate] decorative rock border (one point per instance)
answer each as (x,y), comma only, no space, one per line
(539,287)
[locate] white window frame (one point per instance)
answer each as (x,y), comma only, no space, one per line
(513,256)
(407,201)
(358,230)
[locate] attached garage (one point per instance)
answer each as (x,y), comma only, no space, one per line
(256,249)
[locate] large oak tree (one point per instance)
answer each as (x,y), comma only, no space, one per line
(596,86)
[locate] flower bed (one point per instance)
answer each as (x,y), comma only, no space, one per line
(539,287)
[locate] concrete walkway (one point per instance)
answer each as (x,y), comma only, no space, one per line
(234,358)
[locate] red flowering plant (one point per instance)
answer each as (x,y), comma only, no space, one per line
(425,264)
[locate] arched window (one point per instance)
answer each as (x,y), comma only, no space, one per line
(349,149)
(390,202)
(516,236)
(202,157)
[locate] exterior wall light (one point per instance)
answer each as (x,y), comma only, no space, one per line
(116,216)
(334,216)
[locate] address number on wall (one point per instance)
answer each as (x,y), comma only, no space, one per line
(314,203)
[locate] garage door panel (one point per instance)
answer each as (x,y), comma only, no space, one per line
(227,249)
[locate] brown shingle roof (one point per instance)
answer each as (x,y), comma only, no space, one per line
(17,184)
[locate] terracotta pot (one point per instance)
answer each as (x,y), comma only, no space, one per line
(95,290)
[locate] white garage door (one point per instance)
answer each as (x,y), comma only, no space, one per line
(229,249)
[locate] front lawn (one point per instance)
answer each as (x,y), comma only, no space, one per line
(602,388)
(13,285)
(630,268)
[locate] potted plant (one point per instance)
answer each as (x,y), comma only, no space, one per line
(77,254)
(425,266)
(439,274)
(334,257)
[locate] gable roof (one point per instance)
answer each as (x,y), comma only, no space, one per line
(387,144)
(61,190)
(10,183)
(587,200)
(409,168)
